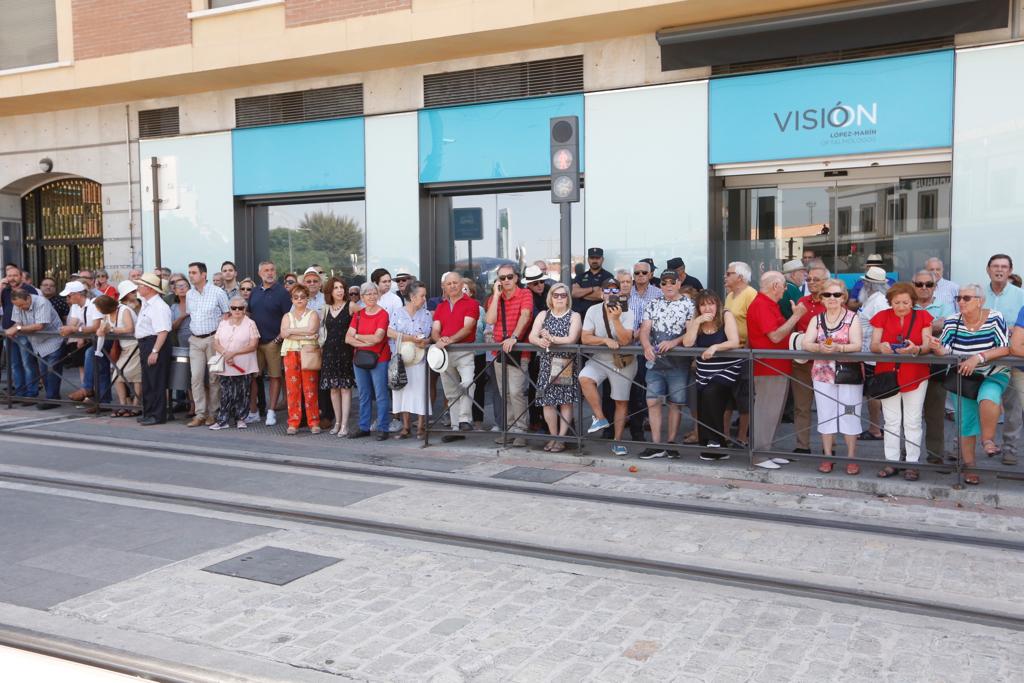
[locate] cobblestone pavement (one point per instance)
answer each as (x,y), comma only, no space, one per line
(405,611)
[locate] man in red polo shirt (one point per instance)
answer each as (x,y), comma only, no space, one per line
(767,329)
(801,386)
(455,322)
(510,309)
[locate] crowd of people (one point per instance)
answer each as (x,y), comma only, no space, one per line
(321,338)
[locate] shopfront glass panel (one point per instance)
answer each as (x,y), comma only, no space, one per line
(330,234)
(906,221)
(519,228)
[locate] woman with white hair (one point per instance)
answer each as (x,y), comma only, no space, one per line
(236,339)
(367,334)
(409,326)
(977,335)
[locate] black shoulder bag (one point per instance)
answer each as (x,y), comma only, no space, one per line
(886,384)
(967,386)
(363,358)
(847,372)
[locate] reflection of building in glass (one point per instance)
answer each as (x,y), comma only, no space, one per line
(329,234)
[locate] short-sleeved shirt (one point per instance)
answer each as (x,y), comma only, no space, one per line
(945,291)
(668,322)
(1020,319)
(267,306)
(206,309)
(60,304)
(234,338)
(155,317)
(8,304)
(80,313)
(593,322)
(763,317)
(960,341)
(453,317)
(638,302)
(789,299)
(691,281)
(589,278)
(364,323)
(520,299)
(1008,302)
(738,305)
(909,375)
(390,301)
(40,312)
(814,309)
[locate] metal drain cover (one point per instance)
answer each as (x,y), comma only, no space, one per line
(538,475)
(268,564)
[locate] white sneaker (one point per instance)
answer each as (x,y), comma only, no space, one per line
(252,417)
(768,465)
(271,418)
(781,461)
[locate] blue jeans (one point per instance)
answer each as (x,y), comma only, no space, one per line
(100,372)
(53,367)
(87,364)
(374,383)
(24,368)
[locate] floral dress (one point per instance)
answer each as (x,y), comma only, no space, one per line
(825,370)
(336,365)
(558,376)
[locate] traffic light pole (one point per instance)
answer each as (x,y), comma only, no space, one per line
(565,242)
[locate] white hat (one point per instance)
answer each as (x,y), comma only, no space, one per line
(411,353)
(793,266)
(72,287)
(874,259)
(312,271)
(533,274)
(796,343)
(875,274)
(124,288)
(437,358)
(153,282)
(403,273)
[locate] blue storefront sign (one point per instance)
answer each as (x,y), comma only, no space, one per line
(879,105)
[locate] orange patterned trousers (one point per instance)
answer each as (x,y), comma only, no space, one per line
(301,385)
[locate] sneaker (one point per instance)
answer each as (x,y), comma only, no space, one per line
(713,456)
(1008,458)
(252,417)
(619,450)
(651,453)
(673,454)
(271,418)
(596,425)
(495,428)
(465,427)
(241,425)
(219,425)
(768,465)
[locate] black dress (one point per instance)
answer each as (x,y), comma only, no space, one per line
(336,366)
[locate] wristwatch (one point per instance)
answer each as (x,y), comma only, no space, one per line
(17,328)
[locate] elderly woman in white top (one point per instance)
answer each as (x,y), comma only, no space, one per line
(128,367)
(410,324)
(236,340)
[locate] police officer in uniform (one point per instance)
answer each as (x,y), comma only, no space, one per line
(586,286)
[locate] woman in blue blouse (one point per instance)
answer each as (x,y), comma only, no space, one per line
(978,336)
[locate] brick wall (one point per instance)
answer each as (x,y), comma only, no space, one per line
(110,27)
(302,12)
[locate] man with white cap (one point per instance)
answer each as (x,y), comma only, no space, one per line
(455,322)
(795,273)
(151,329)
(207,306)
(84,318)
(312,278)
(403,278)
(31,314)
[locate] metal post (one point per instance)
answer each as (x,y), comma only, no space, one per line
(10,372)
(750,408)
(565,242)
(428,420)
(504,397)
(154,164)
(579,404)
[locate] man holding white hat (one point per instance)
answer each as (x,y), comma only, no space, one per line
(455,322)
(151,329)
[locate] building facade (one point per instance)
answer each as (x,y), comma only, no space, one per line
(346,133)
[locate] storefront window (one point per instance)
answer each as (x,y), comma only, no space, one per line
(329,234)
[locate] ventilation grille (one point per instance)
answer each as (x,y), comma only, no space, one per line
(507,82)
(293,107)
(836,56)
(158,123)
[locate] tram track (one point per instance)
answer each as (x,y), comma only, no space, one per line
(526,488)
(690,572)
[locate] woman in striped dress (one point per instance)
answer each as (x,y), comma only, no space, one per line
(978,336)
(713,329)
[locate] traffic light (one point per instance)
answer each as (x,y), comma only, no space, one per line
(565,159)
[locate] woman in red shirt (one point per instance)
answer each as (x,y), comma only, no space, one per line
(902,329)
(367,334)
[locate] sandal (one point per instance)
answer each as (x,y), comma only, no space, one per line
(853,469)
(991,449)
(691,438)
(911,475)
(557,447)
(868,436)
(292,431)
(886,472)
(404,434)
(548,445)
(826,467)
(972,479)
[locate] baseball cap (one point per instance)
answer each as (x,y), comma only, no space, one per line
(72,287)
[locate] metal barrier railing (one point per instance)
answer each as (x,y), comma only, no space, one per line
(499,367)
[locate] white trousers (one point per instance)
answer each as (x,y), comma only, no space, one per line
(838,407)
(905,409)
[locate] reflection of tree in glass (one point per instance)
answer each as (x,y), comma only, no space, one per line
(321,237)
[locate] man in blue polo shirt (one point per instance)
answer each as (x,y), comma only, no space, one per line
(1008,299)
(268,304)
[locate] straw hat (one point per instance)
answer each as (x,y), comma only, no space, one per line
(437,358)
(152,281)
(411,354)
(793,266)
(874,274)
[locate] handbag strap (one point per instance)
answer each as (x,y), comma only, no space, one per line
(504,323)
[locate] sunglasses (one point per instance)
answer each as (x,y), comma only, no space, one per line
(237,308)
(312,282)
(246,289)
(966,298)
(402,279)
(510,276)
(290,282)
(929,285)
(559,295)
(610,291)
(353,293)
(827,295)
(638,273)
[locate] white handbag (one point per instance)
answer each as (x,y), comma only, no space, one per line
(216,363)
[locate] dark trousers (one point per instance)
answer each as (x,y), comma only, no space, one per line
(52,367)
(638,401)
(536,411)
(154,379)
(100,372)
(713,400)
(234,399)
(935,416)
